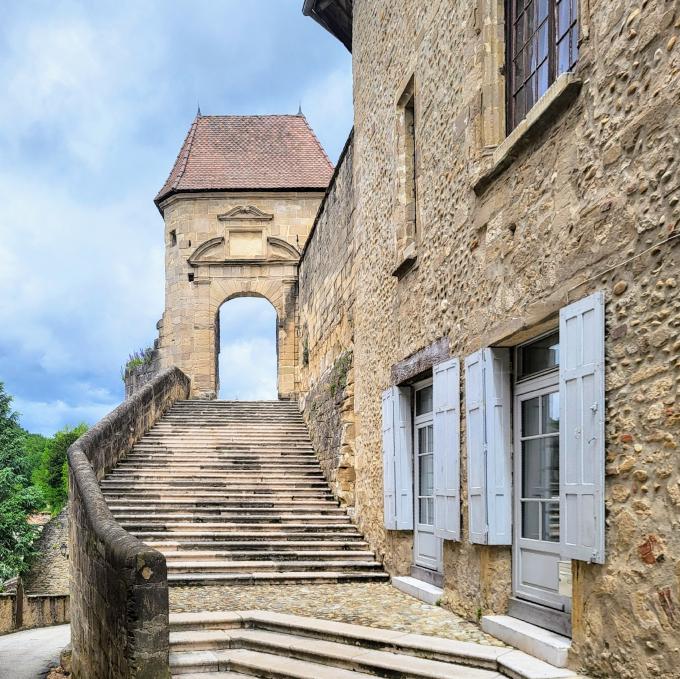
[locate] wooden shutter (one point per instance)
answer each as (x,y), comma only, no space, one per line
(403,456)
(446,394)
(582,429)
(497,381)
(476,447)
(389,488)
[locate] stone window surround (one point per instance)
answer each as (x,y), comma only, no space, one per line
(490,24)
(420,362)
(406,217)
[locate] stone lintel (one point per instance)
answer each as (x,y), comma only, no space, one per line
(421,361)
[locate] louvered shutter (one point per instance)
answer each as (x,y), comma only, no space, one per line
(497,384)
(446,392)
(389,489)
(403,454)
(582,429)
(475,447)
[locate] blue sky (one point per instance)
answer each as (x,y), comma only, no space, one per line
(96,100)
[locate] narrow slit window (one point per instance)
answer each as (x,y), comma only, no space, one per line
(173,238)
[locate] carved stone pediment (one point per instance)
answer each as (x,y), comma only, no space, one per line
(240,248)
(245,213)
(282,249)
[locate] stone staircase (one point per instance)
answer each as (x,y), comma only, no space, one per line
(231,493)
(270,645)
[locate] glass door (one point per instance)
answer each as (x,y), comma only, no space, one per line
(427,547)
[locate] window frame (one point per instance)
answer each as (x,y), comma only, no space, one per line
(512,118)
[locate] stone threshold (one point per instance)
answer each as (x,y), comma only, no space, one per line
(421,590)
(506,661)
(541,643)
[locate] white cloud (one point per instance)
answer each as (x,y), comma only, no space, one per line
(248,370)
(50,416)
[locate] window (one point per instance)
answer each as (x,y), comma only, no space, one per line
(542,43)
(173,237)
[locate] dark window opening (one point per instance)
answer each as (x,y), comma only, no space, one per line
(173,237)
(410,158)
(542,43)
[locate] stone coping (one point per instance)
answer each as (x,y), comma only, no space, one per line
(508,661)
(127,633)
(556,99)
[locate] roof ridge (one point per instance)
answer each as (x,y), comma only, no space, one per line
(316,139)
(189,143)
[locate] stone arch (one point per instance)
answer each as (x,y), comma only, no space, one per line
(279,292)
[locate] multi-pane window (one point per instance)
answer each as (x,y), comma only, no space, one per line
(542,43)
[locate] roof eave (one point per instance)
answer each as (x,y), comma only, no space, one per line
(334,15)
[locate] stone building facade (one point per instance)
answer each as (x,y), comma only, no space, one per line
(451,227)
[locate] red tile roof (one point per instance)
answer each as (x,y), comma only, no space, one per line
(249,152)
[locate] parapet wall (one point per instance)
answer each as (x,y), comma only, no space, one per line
(326,319)
(119,592)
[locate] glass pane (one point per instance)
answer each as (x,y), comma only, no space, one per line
(574,46)
(426,475)
(424,401)
(543,354)
(551,521)
(550,413)
(540,468)
(530,417)
(530,520)
(430,439)
(422,511)
(542,10)
(563,17)
(530,23)
(422,440)
(430,511)
(542,51)
(543,76)
(563,56)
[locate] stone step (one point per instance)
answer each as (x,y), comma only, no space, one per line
(247,651)
(216,465)
(235,519)
(353,641)
(217,504)
(263,554)
(219,496)
(265,547)
(212,566)
(252,537)
(248,523)
(198,485)
(323,577)
(219,515)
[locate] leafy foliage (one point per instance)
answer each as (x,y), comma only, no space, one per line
(33,476)
(52,475)
(136,360)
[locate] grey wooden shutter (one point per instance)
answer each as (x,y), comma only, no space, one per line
(446,393)
(497,381)
(389,489)
(582,429)
(403,457)
(475,447)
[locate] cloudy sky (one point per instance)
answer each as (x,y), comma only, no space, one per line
(96,97)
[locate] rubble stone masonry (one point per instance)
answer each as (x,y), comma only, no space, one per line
(585,197)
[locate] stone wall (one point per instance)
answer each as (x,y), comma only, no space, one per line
(326,307)
(49,571)
(20,611)
(135,378)
(587,199)
(224,245)
(119,592)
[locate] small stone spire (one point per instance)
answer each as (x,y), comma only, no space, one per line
(300,113)
(198,111)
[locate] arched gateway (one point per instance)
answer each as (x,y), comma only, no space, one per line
(238,207)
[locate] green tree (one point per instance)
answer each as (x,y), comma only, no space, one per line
(17,498)
(52,475)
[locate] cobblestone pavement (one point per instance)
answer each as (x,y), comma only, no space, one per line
(370,604)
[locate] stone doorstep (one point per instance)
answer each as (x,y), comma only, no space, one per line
(536,641)
(423,591)
(509,662)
